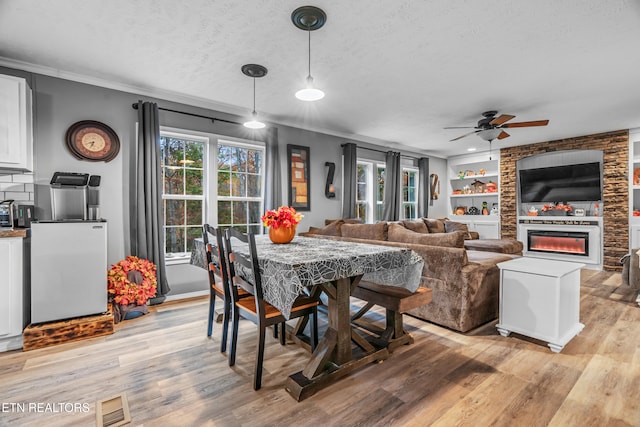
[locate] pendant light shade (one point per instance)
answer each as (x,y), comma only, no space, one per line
(309,18)
(254,71)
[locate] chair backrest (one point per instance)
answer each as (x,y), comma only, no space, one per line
(238,261)
(216,259)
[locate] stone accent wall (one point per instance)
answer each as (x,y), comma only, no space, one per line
(615,146)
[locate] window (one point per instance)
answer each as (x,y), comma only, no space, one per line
(183,197)
(240,183)
(409,208)
(362,191)
(211,180)
(380,177)
(369,190)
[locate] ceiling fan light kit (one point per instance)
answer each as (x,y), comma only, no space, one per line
(491,127)
(254,71)
(309,18)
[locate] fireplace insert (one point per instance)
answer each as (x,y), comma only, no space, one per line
(559,242)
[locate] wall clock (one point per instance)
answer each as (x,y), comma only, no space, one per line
(93,141)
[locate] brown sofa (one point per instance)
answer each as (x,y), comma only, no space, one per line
(465,283)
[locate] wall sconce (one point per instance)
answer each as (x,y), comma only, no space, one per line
(329,189)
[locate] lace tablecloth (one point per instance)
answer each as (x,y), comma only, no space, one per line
(288,269)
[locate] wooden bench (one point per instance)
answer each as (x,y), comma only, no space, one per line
(395,301)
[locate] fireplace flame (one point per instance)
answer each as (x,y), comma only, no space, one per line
(570,245)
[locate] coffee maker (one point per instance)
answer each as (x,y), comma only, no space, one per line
(75,197)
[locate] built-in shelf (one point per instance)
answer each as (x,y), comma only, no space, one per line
(470,165)
(478,177)
(456,196)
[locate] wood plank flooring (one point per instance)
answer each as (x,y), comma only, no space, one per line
(174,376)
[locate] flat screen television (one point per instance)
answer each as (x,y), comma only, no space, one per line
(570,183)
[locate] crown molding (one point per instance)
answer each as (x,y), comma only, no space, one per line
(193,101)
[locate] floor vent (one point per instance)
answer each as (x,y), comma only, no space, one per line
(113,412)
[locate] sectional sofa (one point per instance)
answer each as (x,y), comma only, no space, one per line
(465,283)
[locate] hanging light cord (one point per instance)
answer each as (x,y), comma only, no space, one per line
(254,95)
(309,32)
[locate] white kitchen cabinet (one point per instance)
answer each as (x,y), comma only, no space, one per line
(11,287)
(16,128)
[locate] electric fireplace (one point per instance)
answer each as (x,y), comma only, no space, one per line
(559,242)
(564,239)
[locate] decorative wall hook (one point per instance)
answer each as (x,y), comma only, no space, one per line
(329,189)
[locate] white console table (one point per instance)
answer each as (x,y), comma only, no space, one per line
(540,298)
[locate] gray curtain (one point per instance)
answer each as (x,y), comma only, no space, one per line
(423,187)
(273,175)
(349,168)
(145,198)
(392,186)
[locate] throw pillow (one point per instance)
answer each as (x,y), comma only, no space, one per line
(398,233)
(434,225)
(332,229)
(416,225)
(376,231)
(452,226)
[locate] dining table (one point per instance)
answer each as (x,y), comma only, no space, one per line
(335,268)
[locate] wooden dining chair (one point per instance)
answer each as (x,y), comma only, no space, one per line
(218,281)
(257,309)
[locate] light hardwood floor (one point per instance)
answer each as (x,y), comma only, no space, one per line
(174,376)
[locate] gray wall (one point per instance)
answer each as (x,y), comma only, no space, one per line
(59,103)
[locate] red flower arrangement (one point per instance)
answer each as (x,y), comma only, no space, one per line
(132,280)
(284,216)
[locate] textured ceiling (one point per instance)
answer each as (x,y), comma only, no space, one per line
(396,71)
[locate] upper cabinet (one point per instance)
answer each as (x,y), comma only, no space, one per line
(473,185)
(16,127)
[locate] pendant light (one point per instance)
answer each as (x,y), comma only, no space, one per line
(309,18)
(254,71)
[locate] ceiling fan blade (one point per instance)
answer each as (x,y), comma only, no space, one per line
(503,135)
(526,124)
(462,136)
(459,127)
(501,119)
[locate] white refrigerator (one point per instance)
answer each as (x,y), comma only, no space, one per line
(68,269)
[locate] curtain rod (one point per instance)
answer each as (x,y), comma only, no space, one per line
(213,119)
(384,152)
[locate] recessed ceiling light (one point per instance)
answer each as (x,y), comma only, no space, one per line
(471,149)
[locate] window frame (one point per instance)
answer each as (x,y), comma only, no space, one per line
(371,202)
(210,176)
(416,171)
(215,197)
(206,141)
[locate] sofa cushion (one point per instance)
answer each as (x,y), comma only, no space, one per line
(397,233)
(377,231)
(331,229)
(346,221)
(416,225)
(503,246)
(434,225)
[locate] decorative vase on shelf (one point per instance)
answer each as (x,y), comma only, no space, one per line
(282,234)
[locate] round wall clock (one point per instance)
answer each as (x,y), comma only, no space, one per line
(93,141)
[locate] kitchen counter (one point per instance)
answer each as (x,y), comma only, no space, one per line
(17,232)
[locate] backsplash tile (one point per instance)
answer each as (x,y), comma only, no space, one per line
(18,187)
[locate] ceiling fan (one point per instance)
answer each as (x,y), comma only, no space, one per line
(491,127)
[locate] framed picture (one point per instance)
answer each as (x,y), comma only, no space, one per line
(298,170)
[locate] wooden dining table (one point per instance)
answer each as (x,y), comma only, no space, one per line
(335,268)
